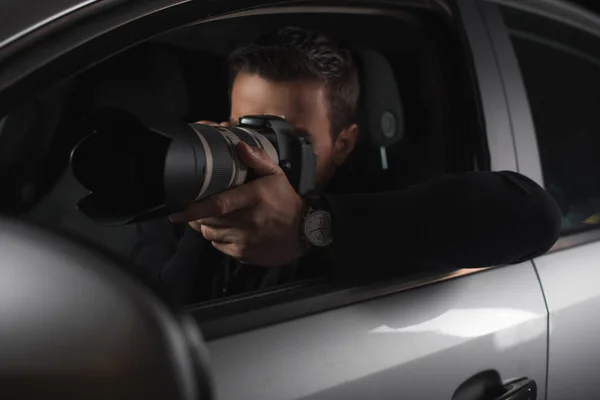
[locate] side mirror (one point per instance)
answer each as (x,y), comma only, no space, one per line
(73,326)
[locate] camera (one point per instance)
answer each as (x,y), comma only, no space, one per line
(136,170)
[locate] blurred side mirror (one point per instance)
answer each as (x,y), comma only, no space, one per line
(73,326)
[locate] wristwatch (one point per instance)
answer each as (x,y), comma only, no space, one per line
(317,225)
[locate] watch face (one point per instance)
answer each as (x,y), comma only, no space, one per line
(317,228)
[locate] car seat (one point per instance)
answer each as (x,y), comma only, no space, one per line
(146,81)
(373,165)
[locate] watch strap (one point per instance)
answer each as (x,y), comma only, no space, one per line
(306,244)
(316,202)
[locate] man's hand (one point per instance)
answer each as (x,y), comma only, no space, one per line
(256,223)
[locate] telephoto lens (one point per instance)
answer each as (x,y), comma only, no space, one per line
(138,170)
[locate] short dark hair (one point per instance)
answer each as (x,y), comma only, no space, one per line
(290,54)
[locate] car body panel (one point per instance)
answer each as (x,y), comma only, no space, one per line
(422,343)
(570,280)
(568,274)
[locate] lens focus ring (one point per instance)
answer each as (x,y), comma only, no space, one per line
(219,156)
(245,137)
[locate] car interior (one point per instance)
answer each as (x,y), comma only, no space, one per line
(412,66)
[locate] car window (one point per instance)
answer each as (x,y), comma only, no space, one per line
(560,66)
(165,79)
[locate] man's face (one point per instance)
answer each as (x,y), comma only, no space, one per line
(304,105)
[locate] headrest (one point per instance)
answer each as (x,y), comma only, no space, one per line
(147,81)
(381,125)
(381,115)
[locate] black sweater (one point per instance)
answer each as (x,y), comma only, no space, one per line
(468,220)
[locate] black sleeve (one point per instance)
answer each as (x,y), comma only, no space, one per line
(172,261)
(468,220)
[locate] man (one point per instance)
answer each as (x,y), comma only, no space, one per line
(259,234)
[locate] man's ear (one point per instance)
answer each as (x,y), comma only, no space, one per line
(344,144)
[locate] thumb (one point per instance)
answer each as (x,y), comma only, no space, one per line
(258,160)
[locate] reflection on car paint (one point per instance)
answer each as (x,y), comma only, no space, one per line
(511,327)
(467,323)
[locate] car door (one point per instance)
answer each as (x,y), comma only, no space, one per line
(416,337)
(555,105)
(425,336)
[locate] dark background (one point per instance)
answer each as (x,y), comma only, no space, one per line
(593,5)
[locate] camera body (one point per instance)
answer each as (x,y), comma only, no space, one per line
(138,170)
(296,156)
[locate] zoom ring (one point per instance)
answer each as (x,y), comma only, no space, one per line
(222,165)
(245,137)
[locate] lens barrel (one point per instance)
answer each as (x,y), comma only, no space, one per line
(212,157)
(139,170)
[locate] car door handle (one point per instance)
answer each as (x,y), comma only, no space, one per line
(519,389)
(488,385)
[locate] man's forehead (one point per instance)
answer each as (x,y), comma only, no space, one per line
(260,92)
(302,103)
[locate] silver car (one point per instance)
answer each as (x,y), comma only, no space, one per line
(499,84)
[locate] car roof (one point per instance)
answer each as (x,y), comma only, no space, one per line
(19,17)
